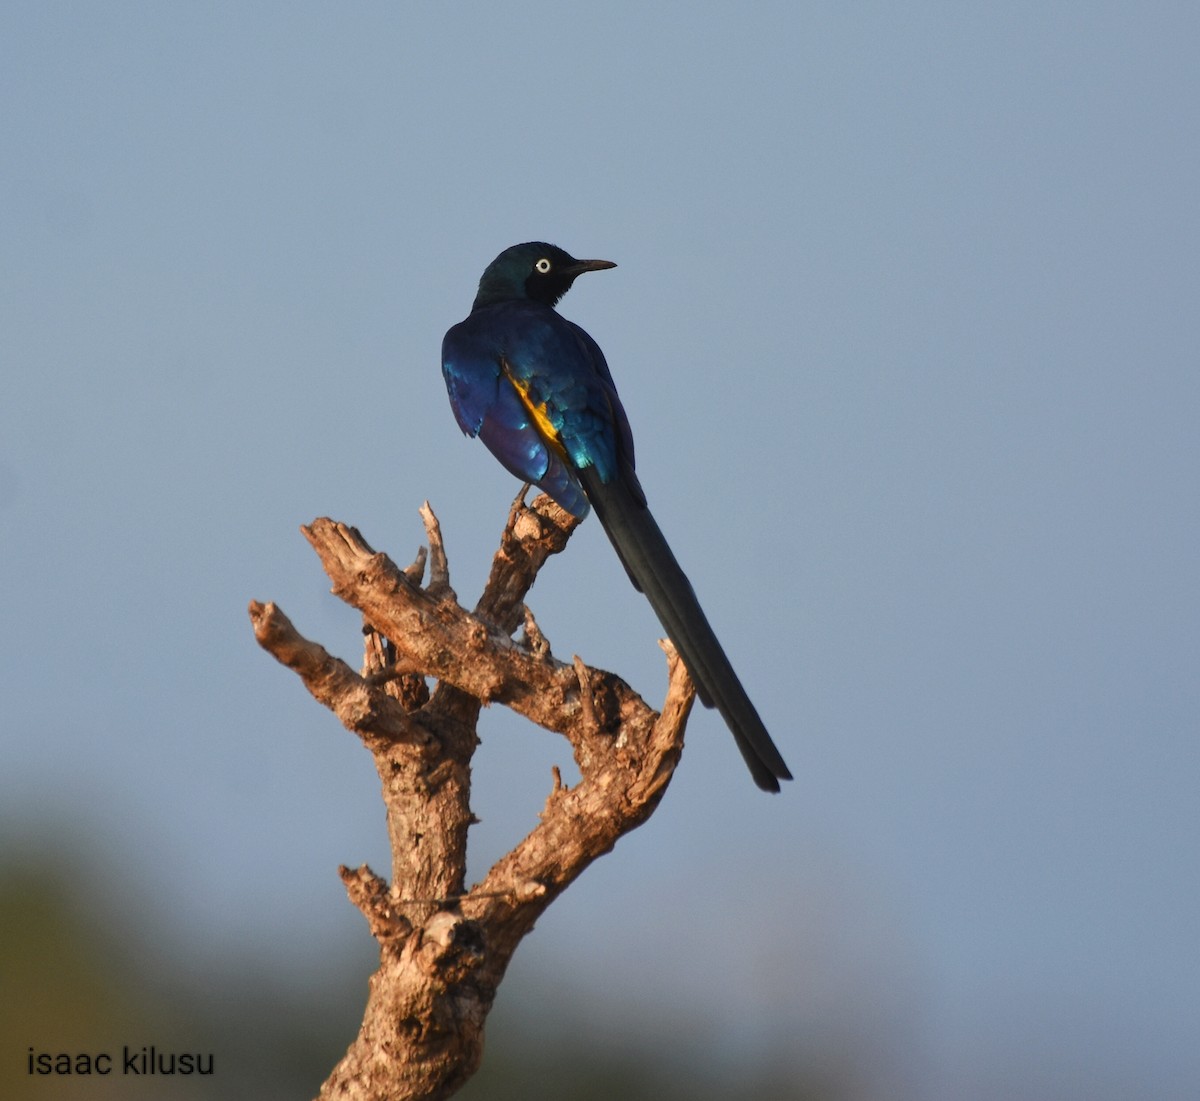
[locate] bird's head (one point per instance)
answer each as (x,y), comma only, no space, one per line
(534,270)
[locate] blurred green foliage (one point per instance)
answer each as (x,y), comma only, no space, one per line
(78,975)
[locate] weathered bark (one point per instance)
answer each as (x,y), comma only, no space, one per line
(443,948)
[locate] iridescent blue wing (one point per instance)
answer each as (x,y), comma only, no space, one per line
(490,394)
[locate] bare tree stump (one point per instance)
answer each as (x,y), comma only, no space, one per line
(443,948)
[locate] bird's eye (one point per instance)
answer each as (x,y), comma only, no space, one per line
(543,265)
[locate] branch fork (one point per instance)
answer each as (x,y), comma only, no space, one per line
(444,948)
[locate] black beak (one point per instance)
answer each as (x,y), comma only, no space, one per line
(580,266)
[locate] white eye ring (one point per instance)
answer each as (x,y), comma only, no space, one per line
(543,266)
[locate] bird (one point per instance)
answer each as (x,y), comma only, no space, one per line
(537,390)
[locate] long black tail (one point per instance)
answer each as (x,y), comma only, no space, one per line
(654,571)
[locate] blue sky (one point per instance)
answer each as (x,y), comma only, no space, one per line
(905,321)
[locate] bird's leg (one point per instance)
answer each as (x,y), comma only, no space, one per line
(518,506)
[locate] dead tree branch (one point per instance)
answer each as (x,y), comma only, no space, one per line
(444,948)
